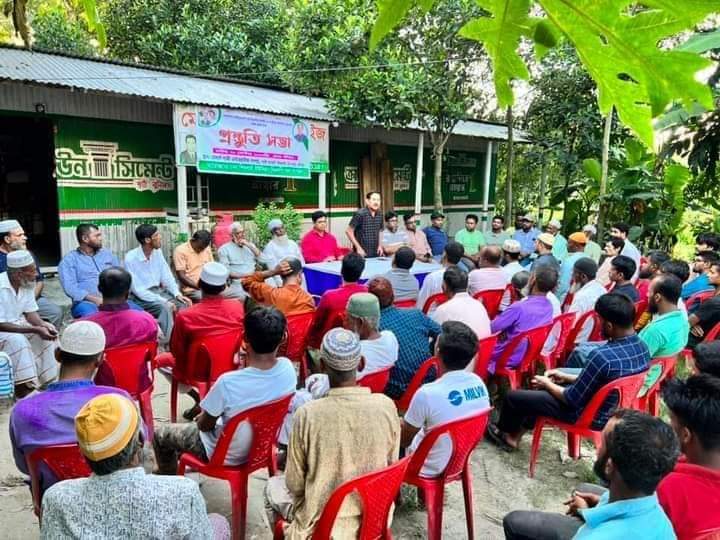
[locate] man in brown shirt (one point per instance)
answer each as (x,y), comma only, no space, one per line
(189,259)
(332,442)
(290,299)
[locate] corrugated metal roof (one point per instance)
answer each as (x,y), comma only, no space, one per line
(58,70)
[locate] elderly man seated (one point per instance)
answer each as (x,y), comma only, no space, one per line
(379,348)
(119,500)
(290,297)
(280,247)
(28,340)
(404,284)
(240,258)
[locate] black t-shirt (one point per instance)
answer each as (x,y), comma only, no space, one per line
(628,290)
(708,314)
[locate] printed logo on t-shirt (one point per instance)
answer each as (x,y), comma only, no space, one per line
(455,398)
(468,394)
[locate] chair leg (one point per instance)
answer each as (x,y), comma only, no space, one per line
(173,400)
(434,498)
(535,448)
(238,496)
(468,494)
(147,415)
(573,442)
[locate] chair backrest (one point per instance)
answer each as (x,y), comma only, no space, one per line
(565,323)
(377,491)
(491,299)
(668,364)
(404,303)
(209,357)
(128,364)
(595,333)
(509,289)
(626,388)
(265,422)
(64,461)
(486,346)
(377,381)
(698,298)
(535,339)
(298,328)
(465,434)
(641,306)
(416,382)
(712,335)
(435,299)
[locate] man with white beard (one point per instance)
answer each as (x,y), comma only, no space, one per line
(29,341)
(279,247)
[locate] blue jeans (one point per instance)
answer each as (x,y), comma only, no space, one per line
(85,308)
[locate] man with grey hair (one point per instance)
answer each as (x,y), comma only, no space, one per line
(280,246)
(240,258)
(379,348)
(559,248)
(334,430)
(592,248)
(29,341)
(12,238)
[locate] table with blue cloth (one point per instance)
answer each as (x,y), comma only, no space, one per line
(324,276)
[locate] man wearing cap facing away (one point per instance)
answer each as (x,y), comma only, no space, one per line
(576,251)
(24,336)
(12,238)
(290,298)
(526,235)
(119,500)
(48,418)
(560,247)
(379,348)
(436,236)
(511,258)
(332,441)
(280,247)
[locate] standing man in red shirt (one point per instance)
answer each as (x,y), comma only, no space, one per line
(215,314)
(690,495)
(318,245)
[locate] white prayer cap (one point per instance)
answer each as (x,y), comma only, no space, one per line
(9,225)
(511,246)
(590,228)
(84,338)
(274,224)
(19,259)
(214,273)
(555,223)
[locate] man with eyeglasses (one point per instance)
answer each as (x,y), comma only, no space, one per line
(319,245)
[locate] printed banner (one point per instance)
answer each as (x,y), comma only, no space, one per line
(184,122)
(319,146)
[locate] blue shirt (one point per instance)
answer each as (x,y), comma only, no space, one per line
(699,284)
(3,265)
(527,240)
(630,518)
(566,272)
(610,361)
(413,330)
(79,272)
(437,238)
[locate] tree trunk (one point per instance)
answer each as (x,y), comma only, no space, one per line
(543,187)
(438,151)
(509,175)
(604,174)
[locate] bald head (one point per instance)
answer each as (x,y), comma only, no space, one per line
(491,256)
(382,288)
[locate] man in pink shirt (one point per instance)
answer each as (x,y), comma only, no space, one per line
(489,275)
(417,239)
(318,245)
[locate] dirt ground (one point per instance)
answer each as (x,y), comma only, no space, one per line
(500,484)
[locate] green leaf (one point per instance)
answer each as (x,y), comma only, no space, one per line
(545,36)
(701,42)
(500,34)
(390,13)
(635,152)
(621,53)
(592,168)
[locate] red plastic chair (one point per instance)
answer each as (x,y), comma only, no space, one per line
(265,422)
(595,333)
(404,303)
(491,299)
(207,359)
(377,381)
(128,364)
(486,346)
(712,335)
(565,322)
(436,300)
(641,306)
(513,293)
(535,339)
(698,298)
(64,461)
(627,389)
(295,347)
(416,382)
(465,434)
(650,402)
(377,490)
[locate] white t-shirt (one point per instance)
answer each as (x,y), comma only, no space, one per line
(454,395)
(379,353)
(432,284)
(511,269)
(13,306)
(554,335)
(584,300)
(465,309)
(238,391)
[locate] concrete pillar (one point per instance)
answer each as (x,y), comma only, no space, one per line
(418,173)
(486,186)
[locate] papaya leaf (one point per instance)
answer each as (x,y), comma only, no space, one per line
(635,152)
(592,168)
(390,14)
(701,42)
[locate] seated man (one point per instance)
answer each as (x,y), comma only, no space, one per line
(511,258)
(119,500)
(215,314)
(622,269)
(650,267)
(28,340)
(48,418)
(318,245)
(265,378)
(433,282)
(153,286)
(489,275)
(413,330)
(460,306)
(240,258)
(434,403)
(690,495)
(535,310)
(404,284)
(334,301)
(436,236)
(189,259)
(543,248)
(471,238)
(585,293)
(667,333)
(80,269)
(703,261)
(707,314)
(280,247)
(290,298)
(392,238)
(417,240)
(638,451)
(334,430)
(122,325)
(624,354)
(706,358)
(379,348)
(574,252)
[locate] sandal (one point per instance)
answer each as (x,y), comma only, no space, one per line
(497,437)
(191,413)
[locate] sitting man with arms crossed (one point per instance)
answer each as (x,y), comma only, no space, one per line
(392,237)
(417,240)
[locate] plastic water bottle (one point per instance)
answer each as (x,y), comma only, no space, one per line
(7,388)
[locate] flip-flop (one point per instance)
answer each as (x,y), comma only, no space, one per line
(191,413)
(495,436)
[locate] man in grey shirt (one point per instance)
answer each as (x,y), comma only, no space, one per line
(393,238)
(404,284)
(497,235)
(240,257)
